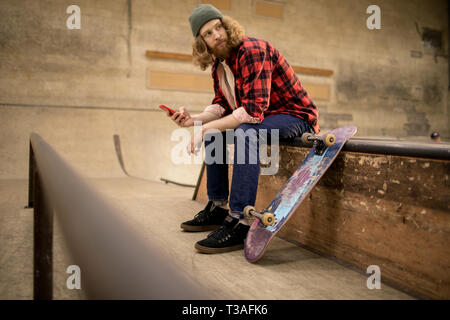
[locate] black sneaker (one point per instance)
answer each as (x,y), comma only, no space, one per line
(208,219)
(229,237)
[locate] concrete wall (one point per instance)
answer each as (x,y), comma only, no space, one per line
(92,83)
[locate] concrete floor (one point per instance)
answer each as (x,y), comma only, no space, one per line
(156,210)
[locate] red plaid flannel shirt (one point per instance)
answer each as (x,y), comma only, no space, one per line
(265,84)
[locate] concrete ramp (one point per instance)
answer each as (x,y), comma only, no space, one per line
(85,137)
(155,210)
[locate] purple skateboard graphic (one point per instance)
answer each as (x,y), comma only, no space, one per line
(293,192)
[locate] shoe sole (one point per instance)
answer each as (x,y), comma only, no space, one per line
(203,249)
(189,228)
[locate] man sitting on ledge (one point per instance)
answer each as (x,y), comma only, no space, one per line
(255,89)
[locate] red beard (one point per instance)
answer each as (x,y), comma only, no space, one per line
(222,52)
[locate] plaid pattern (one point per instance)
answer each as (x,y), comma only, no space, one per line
(265,84)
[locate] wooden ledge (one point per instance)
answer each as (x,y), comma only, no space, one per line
(187,57)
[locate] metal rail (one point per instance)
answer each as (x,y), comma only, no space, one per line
(115,262)
(418,149)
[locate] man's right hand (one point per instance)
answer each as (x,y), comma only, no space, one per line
(182,118)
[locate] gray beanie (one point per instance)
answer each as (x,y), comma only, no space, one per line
(201,15)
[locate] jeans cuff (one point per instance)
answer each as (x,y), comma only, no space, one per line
(236,215)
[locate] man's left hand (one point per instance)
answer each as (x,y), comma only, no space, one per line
(196,143)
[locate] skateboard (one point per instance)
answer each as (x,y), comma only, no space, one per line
(269,221)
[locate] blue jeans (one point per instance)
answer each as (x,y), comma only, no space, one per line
(244,182)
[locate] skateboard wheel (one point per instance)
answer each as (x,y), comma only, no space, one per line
(329,140)
(305,137)
(247,210)
(268,219)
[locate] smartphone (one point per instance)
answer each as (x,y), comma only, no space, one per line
(171,111)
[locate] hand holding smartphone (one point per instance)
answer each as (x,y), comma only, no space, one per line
(170,111)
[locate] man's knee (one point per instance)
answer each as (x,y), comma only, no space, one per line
(245,132)
(247,126)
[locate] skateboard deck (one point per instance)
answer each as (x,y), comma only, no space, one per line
(294,191)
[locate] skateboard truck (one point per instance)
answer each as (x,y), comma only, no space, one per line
(267,218)
(320,142)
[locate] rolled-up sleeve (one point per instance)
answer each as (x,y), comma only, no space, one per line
(215,109)
(243,117)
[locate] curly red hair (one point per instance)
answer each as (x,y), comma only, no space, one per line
(203,57)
